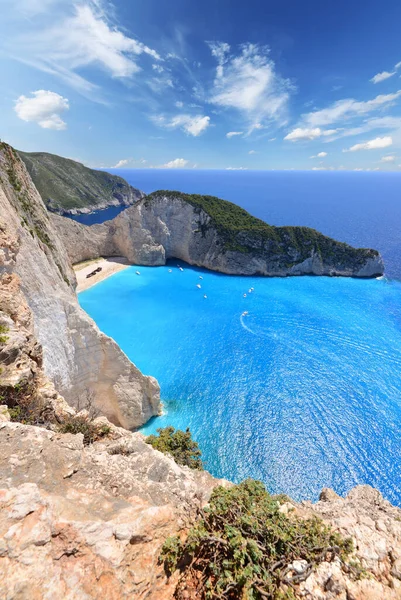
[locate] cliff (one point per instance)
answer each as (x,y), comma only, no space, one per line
(68,187)
(75,356)
(215,234)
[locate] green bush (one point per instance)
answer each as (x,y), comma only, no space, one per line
(91,431)
(179,444)
(243,547)
(3,336)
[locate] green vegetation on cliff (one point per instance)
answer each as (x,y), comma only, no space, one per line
(240,231)
(66,185)
(244,546)
(179,444)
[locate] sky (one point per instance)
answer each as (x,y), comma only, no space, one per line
(227,84)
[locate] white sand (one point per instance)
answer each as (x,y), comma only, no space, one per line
(109,267)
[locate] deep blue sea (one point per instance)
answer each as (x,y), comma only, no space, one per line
(302,392)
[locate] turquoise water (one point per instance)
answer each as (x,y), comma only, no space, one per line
(303,392)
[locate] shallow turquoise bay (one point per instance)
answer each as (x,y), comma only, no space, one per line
(303,392)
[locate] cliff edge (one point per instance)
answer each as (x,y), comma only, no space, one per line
(218,235)
(75,355)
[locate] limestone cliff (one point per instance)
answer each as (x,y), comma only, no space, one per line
(88,522)
(215,234)
(76,355)
(68,187)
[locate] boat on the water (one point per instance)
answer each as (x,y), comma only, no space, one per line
(137,272)
(198,285)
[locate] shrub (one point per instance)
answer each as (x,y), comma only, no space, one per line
(179,444)
(3,331)
(244,547)
(24,404)
(91,431)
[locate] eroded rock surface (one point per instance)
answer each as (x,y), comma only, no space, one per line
(162,227)
(76,356)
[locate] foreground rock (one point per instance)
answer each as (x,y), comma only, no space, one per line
(88,522)
(218,235)
(46,325)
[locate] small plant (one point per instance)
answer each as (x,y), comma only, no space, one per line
(24,404)
(3,337)
(91,431)
(243,547)
(84,422)
(179,444)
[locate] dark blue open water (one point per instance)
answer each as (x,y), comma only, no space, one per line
(305,390)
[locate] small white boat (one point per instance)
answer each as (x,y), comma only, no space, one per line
(252,289)
(205,296)
(244,295)
(137,272)
(181,269)
(249,291)
(244,313)
(198,285)
(170,270)
(200,277)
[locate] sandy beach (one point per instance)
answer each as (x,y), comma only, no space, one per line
(109,266)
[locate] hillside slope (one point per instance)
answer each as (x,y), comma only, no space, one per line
(68,187)
(215,234)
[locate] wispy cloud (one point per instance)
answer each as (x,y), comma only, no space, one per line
(192,125)
(231,134)
(387,159)
(177,163)
(348,108)
(248,82)
(303,134)
(81,39)
(320,155)
(44,108)
(382,76)
(375,144)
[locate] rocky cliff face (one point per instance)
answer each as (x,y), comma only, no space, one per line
(172,225)
(76,356)
(88,522)
(68,187)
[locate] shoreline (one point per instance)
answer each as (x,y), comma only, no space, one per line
(109,266)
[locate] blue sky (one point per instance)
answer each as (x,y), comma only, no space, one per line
(262,84)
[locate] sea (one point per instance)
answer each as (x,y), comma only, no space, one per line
(293,381)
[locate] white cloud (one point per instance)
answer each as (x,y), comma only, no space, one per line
(44,108)
(177,163)
(398,65)
(378,142)
(299,134)
(179,104)
(157,68)
(236,168)
(252,152)
(249,83)
(121,163)
(272,140)
(348,108)
(231,134)
(85,38)
(320,155)
(193,125)
(382,76)
(387,159)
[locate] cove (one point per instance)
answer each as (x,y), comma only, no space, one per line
(302,392)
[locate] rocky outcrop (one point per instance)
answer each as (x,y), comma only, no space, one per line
(68,187)
(88,522)
(39,307)
(173,225)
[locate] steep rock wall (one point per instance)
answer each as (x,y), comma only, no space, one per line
(76,355)
(164,227)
